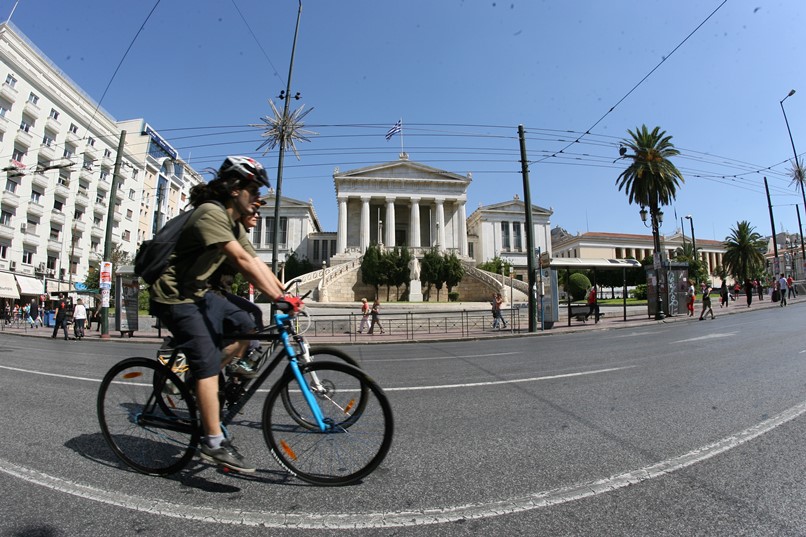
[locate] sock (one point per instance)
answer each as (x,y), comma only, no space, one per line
(214,441)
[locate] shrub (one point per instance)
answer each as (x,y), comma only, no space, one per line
(640,292)
(453,296)
(578,283)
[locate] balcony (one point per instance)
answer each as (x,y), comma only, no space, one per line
(32,110)
(91,152)
(57,217)
(82,198)
(73,138)
(63,189)
(40,180)
(6,232)
(85,174)
(79,226)
(9,93)
(53,124)
(11,199)
(46,152)
(104,186)
(97,231)
(4,123)
(24,138)
(30,239)
(100,207)
(36,209)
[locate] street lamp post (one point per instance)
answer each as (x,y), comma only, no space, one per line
(693,240)
(656,219)
(797,171)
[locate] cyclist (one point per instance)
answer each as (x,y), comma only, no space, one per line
(195,317)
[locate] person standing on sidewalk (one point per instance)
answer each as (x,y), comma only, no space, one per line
(79,319)
(706,302)
(60,318)
(790,285)
(593,305)
(748,291)
(691,296)
(364,316)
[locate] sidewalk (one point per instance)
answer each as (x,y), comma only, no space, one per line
(613,320)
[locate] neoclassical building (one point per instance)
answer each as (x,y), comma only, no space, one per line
(400,203)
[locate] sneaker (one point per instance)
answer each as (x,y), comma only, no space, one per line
(242,369)
(226,455)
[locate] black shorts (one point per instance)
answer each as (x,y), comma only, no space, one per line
(196,328)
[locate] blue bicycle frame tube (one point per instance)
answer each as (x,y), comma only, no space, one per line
(303,385)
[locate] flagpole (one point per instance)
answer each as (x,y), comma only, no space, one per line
(401,137)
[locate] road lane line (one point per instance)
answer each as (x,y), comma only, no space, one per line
(709,337)
(421,517)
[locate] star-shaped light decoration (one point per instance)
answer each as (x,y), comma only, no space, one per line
(284,131)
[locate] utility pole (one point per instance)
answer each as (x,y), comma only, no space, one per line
(283,133)
(776,269)
(530,230)
(110,216)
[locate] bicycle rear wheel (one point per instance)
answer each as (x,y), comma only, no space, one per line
(340,455)
(148,416)
(320,388)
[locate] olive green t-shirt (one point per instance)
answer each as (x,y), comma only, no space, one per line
(197,256)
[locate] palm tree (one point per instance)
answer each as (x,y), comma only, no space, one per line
(651,180)
(744,249)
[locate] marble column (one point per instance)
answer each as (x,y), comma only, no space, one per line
(390,222)
(440,224)
(364,232)
(462,229)
(414,224)
(341,242)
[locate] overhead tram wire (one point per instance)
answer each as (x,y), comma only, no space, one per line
(265,55)
(636,86)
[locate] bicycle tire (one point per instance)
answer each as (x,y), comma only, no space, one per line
(144,436)
(319,354)
(340,455)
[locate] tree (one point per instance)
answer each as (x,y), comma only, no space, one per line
(431,271)
(452,271)
(297,267)
(387,270)
(401,274)
(744,251)
(651,180)
(697,270)
(578,283)
(371,266)
(496,265)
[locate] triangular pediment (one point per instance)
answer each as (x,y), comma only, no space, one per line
(513,206)
(400,170)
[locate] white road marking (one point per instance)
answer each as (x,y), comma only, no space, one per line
(431,358)
(422,517)
(709,336)
(512,381)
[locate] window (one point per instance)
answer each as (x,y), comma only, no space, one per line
(11,81)
(26,124)
(64,178)
(47,140)
(127,235)
(96,221)
(470,249)
(332,247)
(257,232)
(283,231)
(36,197)
(94,245)
(58,205)
(270,231)
(27,257)
(87,165)
(3,111)
(54,114)
(5,218)
(105,176)
(129,214)
(31,226)
(83,187)
(18,154)
(73,128)
(3,251)
(69,151)
(11,186)
(100,199)
(131,194)
(91,141)
(107,153)
(316,250)
(324,250)
(33,98)
(505,235)
(54,233)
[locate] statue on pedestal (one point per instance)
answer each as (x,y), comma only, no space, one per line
(415,287)
(414,269)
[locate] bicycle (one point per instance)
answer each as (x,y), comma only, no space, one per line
(326,422)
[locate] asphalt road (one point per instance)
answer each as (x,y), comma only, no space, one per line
(686,428)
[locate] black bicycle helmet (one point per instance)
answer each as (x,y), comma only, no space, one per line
(247,169)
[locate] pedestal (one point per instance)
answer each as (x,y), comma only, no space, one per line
(415,291)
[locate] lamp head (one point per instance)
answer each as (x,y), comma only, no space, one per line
(791,93)
(643,212)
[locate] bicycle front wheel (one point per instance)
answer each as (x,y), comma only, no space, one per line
(341,454)
(320,388)
(148,416)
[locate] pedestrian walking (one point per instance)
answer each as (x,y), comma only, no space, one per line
(706,302)
(790,285)
(375,313)
(724,295)
(34,313)
(496,303)
(593,304)
(782,288)
(365,309)
(691,296)
(60,318)
(760,288)
(79,319)
(748,291)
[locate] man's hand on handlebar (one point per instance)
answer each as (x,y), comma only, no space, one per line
(289,304)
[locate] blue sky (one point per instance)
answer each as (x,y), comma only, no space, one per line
(463,75)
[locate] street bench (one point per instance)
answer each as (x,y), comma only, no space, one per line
(580,312)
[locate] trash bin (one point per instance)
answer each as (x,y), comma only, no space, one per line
(50,319)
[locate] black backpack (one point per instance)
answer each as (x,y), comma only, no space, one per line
(153,255)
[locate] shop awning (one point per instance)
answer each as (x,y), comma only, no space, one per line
(57,287)
(30,286)
(8,286)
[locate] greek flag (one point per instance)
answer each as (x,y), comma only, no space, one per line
(398,127)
